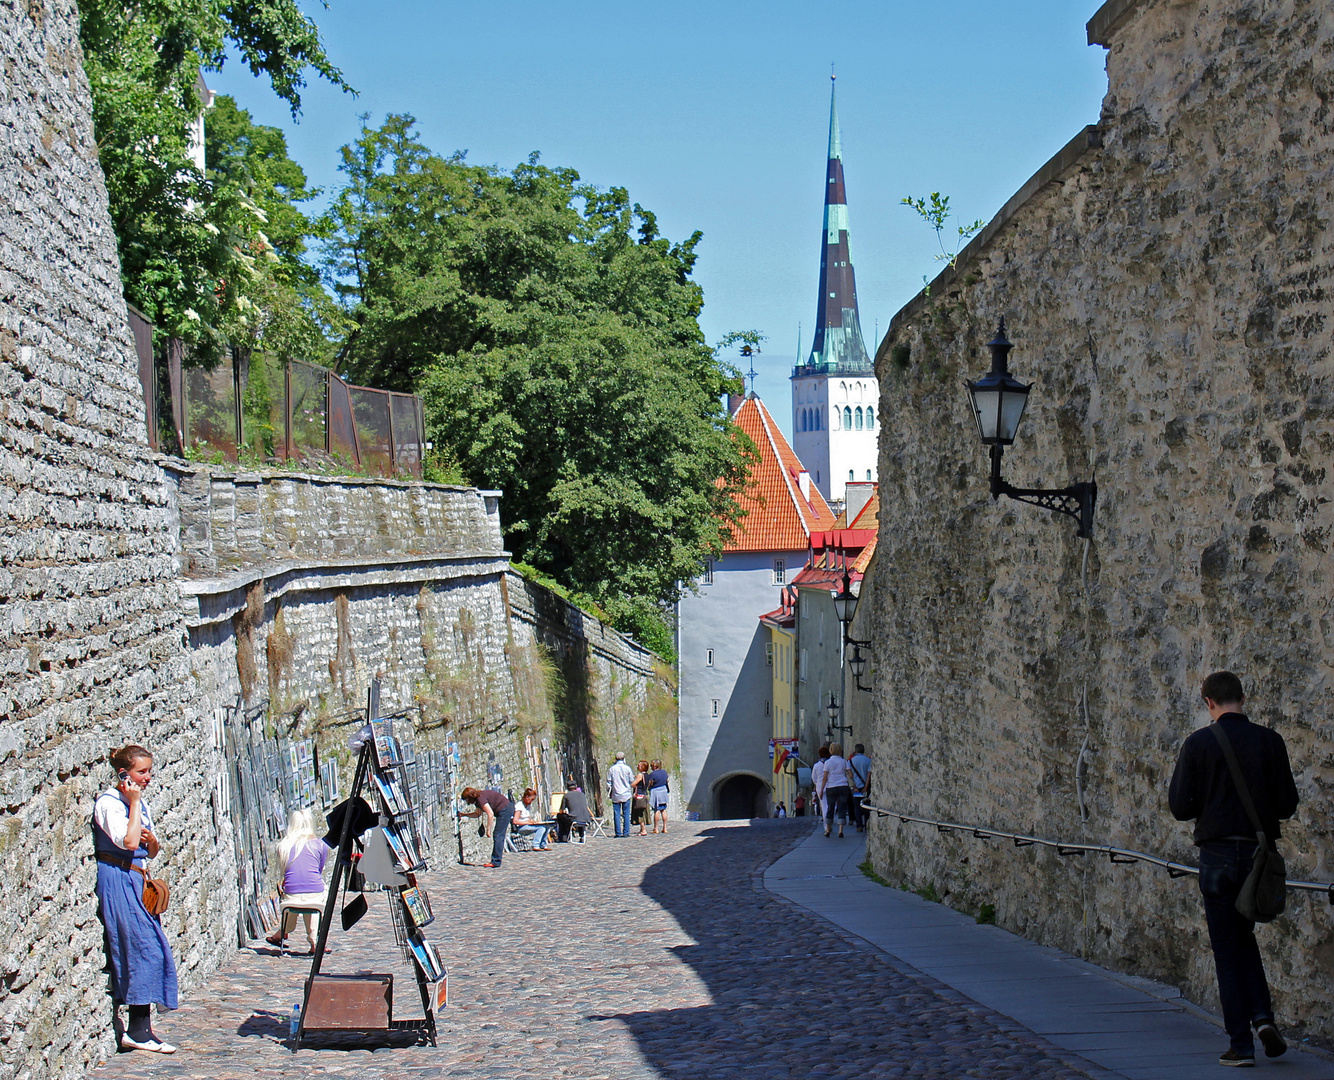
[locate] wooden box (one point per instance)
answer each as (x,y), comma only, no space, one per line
(350,1003)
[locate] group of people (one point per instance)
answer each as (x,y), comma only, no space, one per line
(1229,776)
(638,796)
(840,786)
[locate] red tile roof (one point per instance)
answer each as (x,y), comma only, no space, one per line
(869,517)
(780,517)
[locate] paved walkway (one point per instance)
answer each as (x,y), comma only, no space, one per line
(1122,1026)
(668,958)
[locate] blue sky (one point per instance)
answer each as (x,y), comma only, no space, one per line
(714,115)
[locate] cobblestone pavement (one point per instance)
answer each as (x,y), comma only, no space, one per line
(661,957)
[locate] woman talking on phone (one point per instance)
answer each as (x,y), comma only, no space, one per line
(143,973)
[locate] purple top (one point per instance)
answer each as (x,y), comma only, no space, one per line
(305,871)
(493,799)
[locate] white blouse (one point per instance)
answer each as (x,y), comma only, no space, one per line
(113,816)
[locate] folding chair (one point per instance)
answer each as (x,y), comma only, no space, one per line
(595,826)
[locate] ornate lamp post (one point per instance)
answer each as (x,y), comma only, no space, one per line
(834,725)
(998,401)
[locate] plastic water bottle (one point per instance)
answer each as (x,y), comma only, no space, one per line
(295,1021)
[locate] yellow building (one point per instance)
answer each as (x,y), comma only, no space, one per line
(782,627)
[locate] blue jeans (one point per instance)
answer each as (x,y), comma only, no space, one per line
(1242,988)
(836,801)
(498,831)
(620,817)
(537,832)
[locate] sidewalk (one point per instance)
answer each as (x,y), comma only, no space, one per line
(1125,1027)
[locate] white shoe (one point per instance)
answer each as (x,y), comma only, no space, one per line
(151,1045)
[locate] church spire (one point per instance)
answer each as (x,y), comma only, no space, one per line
(838,333)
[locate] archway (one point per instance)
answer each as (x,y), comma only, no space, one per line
(742,796)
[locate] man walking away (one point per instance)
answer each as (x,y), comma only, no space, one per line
(859,776)
(1203,789)
(620,783)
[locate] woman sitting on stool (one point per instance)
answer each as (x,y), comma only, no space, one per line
(302,856)
(527,823)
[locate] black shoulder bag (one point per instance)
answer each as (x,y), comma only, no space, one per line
(1264,893)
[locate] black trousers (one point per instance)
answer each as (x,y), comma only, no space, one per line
(1242,987)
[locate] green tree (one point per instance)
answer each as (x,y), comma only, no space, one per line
(554,336)
(191,249)
(935,211)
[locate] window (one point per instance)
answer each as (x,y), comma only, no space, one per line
(708,658)
(870,418)
(868,474)
(716,703)
(779,572)
(801,674)
(847,417)
(850,475)
(836,418)
(857,418)
(817,476)
(767,707)
(707,577)
(768,653)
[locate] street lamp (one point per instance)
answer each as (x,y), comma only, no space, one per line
(834,725)
(857,665)
(998,401)
(845,607)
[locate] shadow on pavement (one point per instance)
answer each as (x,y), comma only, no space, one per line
(792,996)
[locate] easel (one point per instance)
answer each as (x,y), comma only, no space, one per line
(407,928)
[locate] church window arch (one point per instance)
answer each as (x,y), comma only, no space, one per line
(857,418)
(836,418)
(851,475)
(842,391)
(803,420)
(847,418)
(870,418)
(868,474)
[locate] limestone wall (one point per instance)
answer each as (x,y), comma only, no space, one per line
(92,645)
(1165,292)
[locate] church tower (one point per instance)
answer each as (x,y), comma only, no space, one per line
(835,394)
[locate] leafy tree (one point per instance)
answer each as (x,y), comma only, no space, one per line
(191,249)
(935,211)
(554,336)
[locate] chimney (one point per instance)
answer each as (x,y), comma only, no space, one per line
(804,482)
(734,402)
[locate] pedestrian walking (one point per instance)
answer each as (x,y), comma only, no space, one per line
(658,790)
(498,811)
(835,788)
(620,785)
(859,776)
(143,971)
(781,811)
(799,805)
(817,780)
(639,799)
(301,859)
(1203,789)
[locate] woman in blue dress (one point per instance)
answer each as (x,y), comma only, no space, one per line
(143,973)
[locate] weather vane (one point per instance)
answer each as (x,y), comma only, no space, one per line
(748,353)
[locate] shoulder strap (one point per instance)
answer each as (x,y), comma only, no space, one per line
(1240,781)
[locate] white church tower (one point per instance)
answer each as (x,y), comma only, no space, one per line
(835,394)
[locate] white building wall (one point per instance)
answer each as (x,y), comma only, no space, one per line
(833,451)
(725,617)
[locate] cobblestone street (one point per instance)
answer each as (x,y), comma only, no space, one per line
(657,957)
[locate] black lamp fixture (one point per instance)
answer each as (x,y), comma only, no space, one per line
(998,401)
(845,607)
(832,708)
(857,665)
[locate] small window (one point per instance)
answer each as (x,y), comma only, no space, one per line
(706,578)
(847,417)
(780,573)
(870,418)
(769,653)
(802,673)
(868,474)
(716,703)
(851,475)
(766,707)
(708,658)
(817,476)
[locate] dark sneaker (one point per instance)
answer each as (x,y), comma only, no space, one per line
(1271,1040)
(1237,1060)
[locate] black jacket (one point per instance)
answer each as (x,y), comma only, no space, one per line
(1202,786)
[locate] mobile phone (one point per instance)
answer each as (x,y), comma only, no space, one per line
(123,775)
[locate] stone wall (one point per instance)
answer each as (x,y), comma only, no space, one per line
(92,646)
(1164,285)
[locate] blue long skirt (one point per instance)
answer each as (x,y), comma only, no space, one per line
(142,969)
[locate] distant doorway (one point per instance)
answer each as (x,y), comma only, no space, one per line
(743,797)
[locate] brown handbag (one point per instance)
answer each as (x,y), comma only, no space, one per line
(156,893)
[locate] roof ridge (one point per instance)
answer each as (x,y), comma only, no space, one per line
(782,466)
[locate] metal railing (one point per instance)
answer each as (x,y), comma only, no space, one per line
(1118,855)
